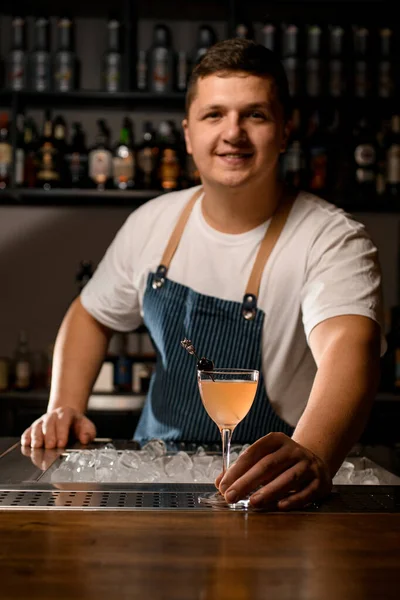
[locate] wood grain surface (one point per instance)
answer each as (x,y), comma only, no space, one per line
(186,556)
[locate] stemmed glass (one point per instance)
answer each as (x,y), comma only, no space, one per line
(227,396)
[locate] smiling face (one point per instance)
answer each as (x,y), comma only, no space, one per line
(235,129)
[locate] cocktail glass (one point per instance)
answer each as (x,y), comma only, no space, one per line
(227,396)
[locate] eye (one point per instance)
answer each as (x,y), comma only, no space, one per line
(257,115)
(212,115)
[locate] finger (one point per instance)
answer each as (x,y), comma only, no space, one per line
(218,480)
(302,498)
(256,453)
(291,479)
(37,457)
(26,450)
(26,437)
(49,430)
(63,424)
(36,434)
(264,471)
(85,429)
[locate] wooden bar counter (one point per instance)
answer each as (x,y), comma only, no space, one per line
(182,555)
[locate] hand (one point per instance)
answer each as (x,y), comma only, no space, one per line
(278,472)
(51,430)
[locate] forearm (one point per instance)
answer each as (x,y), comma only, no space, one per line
(79,351)
(340,401)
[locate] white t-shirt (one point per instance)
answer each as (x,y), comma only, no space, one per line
(323,265)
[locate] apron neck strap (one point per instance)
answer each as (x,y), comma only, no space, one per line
(179,227)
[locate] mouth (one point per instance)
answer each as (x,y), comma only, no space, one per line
(234,158)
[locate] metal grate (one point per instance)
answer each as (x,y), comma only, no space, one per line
(382,499)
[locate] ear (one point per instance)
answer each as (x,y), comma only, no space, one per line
(185,128)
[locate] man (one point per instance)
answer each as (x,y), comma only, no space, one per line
(256,277)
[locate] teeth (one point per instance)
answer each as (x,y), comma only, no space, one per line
(235,155)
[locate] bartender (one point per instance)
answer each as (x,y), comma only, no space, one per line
(256,276)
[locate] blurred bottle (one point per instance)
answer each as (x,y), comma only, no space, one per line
(77,158)
(122,366)
(182,71)
(169,166)
(4,373)
(269,34)
(365,159)
(290,53)
(205,39)
(48,171)
(362,71)
(84,274)
(393,159)
(5,152)
(60,143)
(141,71)
(22,363)
(385,65)
(314,65)
(244,30)
(382,139)
(161,61)
(337,66)
(112,61)
(100,158)
(66,66)
(316,144)
(17,58)
(147,158)
(19,165)
(40,62)
(124,158)
(293,161)
(30,152)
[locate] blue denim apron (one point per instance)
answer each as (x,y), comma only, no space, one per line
(230,333)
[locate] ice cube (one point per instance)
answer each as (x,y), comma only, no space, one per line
(155,448)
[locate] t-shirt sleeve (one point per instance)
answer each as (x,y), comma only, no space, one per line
(343,275)
(110,296)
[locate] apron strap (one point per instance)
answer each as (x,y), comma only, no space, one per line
(174,240)
(249,305)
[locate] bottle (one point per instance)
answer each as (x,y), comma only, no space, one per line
(205,39)
(314,65)
(365,159)
(336,67)
(169,167)
(141,71)
(65,73)
(30,153)
(112,62)
(17,58)
(290,52)
(385,83)
(19,167)
(317,154)
(84,274)
(362,75)
(77,158)
(182,71)
(147,158)
(60,143)
(161,61)
(100,158)
(48,170)
(22,363)
(40,63)
(5,152)
(293,167)
(393,159)
(269,35)
(124,158)
(244,31)
(382,138)
(123,366)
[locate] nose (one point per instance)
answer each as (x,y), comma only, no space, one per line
(233,132)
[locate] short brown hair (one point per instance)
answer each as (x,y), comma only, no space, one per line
(238,54)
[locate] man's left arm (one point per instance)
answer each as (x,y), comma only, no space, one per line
(291,472)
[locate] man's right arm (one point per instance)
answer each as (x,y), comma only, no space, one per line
(79,351)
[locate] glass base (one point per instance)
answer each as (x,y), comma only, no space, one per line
(217,501)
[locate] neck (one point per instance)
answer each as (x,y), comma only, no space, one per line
(239,210)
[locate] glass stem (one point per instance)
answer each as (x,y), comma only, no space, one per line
(226,435)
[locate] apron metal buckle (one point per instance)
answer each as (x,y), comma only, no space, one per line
(249,307)
(159,277)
